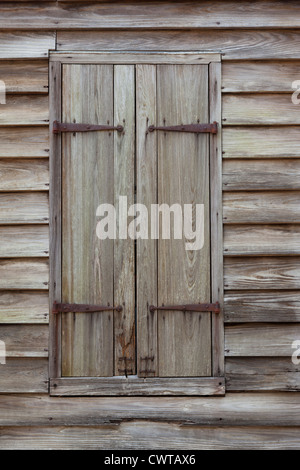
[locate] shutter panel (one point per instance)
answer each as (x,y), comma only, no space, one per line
(175,344)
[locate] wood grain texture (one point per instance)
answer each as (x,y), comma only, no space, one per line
(136,386)
(24,274)
(26,110)
(267,340)
(87,181)
(262,307)
(134,58)
(261,240)
(24,142)
(263,109)
(19,241)
(239,44)
(148,436)
(235,409)
(146,162)
(184,339)
(264,174)
(261,142)
(124,251)
(259,77)
(24,174)
(24,307)
(26,45)
(262,374)
(22,76)
(24,208)
(24,375)
(25,340)
(261,207)
(262,273)
(176,15)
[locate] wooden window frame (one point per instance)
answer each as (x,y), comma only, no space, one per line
(133,385)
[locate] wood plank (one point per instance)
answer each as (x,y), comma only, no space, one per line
(25,110)
(261,174)
(184,338)
(133,385)
(243,44)
(124,266)
(148,436)
(25,340)
(262,307)
(25,142)
(261,240)
(24,174)
(24,208)
(262,273)
(259,77)
(235,409)
(24,307)
(146,156)
(26,45)
(261,142)
(264,207)
(24,274)
(24,375)
(175,15)
(262,109)
(134,58)
(23,241)
(87,261)
(22,76)
(264,339)
(262,374)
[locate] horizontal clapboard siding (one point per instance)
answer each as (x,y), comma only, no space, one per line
(24,208)
(24,174)
(24,110)
(22,76)
(25,340)
(24,375)
(26,45)
(24,241)
(24,307)
(24,142)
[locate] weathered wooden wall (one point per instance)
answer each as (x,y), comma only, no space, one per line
(260,43)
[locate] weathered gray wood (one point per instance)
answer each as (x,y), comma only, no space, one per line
(124,256)
(24,76)
(87,181)
(174,15)
(259,76)
(24,174)
(150,435)
(23,241)
(261,240)
(133,385)
(262,273)
(265,207)
(243,44)
(24,375)
(261,142)
(26,110)
(261,174)
(262,374)
(25,45)
(146,158)
(216,232)
(24,274)
(24,208)
(260,340)
(262,306)
(184,339)
(25,340)
(24,307)
(235,409)
(24,142)
(259,109)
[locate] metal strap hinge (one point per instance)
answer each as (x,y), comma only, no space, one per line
(211,128)
(82,308)
(215,307)
(59,127)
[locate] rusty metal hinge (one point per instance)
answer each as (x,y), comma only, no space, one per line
(212,128)
(215,307)
(59,127)
(82,308)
